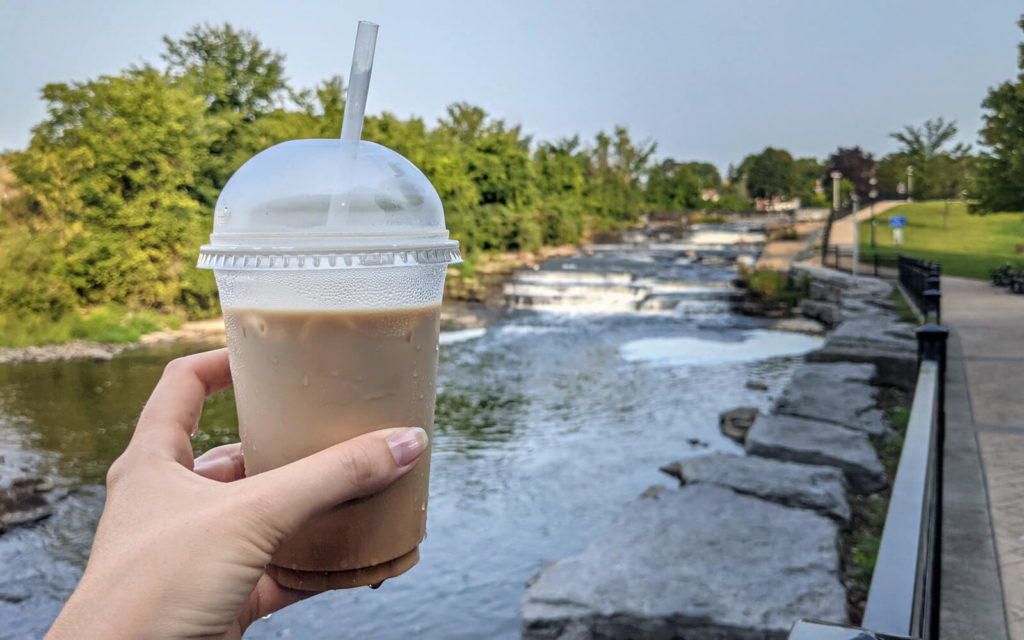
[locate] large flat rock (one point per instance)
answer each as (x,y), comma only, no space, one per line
(822,280)
(794,439)
(876,339)
(839,393)
(804,486)
(701,563)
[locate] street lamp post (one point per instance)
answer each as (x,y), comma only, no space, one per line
(910,183)
(855,199)
(836,176)
(873,194)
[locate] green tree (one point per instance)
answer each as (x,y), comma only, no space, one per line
(856,166)
(614,169)
(128,147)
(938,172)
(770,173)
(1000,183)
(891,173)
(706,173)
(672,186)
(558,167)
(240,81)
(810,176)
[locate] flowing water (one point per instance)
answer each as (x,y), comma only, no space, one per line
(547,422)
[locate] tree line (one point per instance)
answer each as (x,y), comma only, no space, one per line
(115,191)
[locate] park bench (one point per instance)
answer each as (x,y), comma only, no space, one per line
(1017,281)
(1002,276)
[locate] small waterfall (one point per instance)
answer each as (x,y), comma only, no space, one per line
(689,273)
(577,290)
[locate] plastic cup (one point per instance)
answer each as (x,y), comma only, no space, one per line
(330,258)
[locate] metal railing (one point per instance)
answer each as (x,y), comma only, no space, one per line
(920,279)
(841,259)
(904,594)
(903,600)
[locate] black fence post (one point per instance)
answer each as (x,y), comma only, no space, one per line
(931,345)
(935,275)
(932,305)
(874,262)
(826,236)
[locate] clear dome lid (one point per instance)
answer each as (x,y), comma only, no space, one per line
(327,203)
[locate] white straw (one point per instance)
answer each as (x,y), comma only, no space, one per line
(359,81)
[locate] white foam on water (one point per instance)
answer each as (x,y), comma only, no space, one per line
(527,329)
(759,344)
(462,335)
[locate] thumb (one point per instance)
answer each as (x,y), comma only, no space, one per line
(362,466)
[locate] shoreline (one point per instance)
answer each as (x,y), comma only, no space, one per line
(454,317)
(476,305)
(478,301)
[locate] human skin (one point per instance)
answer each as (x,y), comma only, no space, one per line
(182,544)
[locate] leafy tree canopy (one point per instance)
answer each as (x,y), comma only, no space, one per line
(1000,171)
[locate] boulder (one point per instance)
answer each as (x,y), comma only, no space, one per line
(890,345)
(820,489)
(735,423)
(23,501)
(834,392)
(701,563)
(794,439)
(824,291)
(757,385)
(860,308)
(862,286)
(828,313)
(800,325)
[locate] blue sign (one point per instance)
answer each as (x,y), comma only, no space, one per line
(897,222)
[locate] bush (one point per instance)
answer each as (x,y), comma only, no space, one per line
(775,286)
(111,324)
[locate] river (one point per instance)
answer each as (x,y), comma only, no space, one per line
(547,423)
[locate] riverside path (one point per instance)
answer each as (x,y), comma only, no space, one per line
(983,504)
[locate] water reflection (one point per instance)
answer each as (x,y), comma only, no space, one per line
(85,412)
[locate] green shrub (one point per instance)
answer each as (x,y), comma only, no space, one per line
(775,286)
(110,324)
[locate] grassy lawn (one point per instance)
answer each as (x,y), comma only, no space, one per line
(967,245)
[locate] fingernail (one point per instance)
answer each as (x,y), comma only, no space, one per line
(408,445)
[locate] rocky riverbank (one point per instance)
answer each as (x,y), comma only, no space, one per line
(748,545)
(470,302)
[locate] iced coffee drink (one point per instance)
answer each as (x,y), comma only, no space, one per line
(343,373)
(330,267)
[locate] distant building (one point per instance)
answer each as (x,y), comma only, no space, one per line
(777,204)
(709,195)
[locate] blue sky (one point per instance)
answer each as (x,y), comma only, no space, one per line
(710,80)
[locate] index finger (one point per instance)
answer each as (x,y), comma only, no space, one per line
(172,413)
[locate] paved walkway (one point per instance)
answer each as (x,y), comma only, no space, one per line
(842,230)
(778,255)
(983,520)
